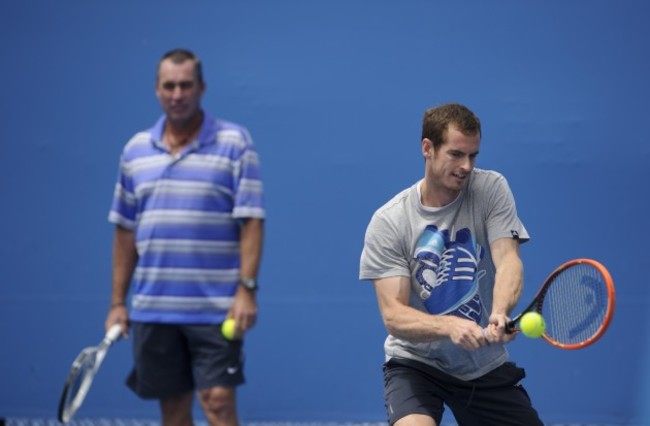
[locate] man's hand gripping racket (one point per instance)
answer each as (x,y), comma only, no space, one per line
(82,373)
(576,302)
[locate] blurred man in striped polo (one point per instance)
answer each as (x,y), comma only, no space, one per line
(188,211)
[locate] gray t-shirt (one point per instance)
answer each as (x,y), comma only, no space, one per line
(446,253)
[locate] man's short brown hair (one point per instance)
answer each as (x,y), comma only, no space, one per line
(437,120)
(178,56)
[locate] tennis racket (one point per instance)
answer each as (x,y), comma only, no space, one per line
(82,373)
(576,302)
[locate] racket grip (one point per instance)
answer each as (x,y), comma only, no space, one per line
(510,327)
(113,333)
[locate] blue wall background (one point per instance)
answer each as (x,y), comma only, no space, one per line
(333,93)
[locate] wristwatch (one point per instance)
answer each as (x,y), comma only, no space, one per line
(249,283)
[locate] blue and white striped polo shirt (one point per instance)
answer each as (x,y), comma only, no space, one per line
(185,211)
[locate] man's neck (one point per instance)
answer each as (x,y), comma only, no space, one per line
(176,135)
(432,196)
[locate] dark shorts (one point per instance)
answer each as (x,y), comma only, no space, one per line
(497,398)
(172,359)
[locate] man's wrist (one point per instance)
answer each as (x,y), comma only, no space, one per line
(249,284)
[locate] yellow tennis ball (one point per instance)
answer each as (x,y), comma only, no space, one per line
(228,328)
(532,325)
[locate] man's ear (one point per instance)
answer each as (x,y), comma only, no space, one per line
(427,148)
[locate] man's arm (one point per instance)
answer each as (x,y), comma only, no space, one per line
(508,284)
(407,323)
(252,236)
(125,257)
(244,308)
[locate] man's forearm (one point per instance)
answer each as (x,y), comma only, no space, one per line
(252,236)
(508,285)
(125,257)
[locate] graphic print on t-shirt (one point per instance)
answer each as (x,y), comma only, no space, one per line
(447,271)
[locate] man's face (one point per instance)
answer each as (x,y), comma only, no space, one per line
(179,91)
(450,166)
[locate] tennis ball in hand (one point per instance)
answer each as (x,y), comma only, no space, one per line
(228,329)
(532,325)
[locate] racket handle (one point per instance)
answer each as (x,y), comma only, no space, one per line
(510,327)
(113,333)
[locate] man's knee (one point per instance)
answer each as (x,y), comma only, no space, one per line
(177,410)
(219,404)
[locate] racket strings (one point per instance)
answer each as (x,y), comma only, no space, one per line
(575,305)
(84,369)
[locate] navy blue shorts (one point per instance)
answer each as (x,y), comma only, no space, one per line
(497,398)
(171,359)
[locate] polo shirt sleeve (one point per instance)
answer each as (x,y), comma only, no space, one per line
(123,209)
(249,194)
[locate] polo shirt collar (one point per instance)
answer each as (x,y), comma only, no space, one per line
(205,135)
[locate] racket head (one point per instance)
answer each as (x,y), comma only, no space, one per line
(77,384)
(82,373)
(577,302)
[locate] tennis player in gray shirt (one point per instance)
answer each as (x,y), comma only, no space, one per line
(444,259)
